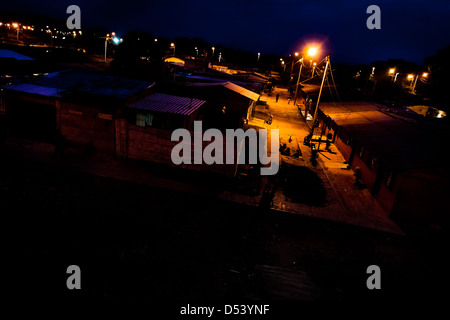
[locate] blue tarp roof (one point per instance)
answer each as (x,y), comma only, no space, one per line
(8,54)
(60,83)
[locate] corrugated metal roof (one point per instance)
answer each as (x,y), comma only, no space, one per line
(230,86)
(242,91)
(161,102)
(34,89)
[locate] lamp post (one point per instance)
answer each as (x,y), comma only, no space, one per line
(392,73)
(292,68)
(298,80)
(312,51)
(213,48)
(320,93)
(114,39)
(413,88)
(172,45)
(411,77)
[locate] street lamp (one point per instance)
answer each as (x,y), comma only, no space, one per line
(106,44)
(392,74)
(172,45)
(259,54)
(318,98)
(213,52)
(292,68)
(115,40)
(312,51)
(413,83)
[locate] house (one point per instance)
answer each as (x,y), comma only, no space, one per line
(400,157)
(228,105)
(83,105)
(122,117)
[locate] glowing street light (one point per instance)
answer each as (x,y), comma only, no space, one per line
(410,76)
(213,48)
(172,45)
(414,83)
(391,71)
(311,52)
(112,37)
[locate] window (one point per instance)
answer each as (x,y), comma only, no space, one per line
(144,119)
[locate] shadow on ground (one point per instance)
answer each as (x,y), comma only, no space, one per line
(302,185)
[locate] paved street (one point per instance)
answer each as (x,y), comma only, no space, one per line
(344,202)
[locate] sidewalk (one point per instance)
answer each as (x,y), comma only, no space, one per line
(346,203)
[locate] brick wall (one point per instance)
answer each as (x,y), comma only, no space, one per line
(84,125)
(155,145)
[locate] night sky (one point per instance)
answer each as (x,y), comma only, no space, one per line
(410,29)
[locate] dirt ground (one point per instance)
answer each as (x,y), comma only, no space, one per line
(143,243)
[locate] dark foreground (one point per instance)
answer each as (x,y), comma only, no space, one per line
(142,243)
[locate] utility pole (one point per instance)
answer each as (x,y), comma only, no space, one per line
(413,87)
(106,46)
(292,67)
(320,93)
(298,80)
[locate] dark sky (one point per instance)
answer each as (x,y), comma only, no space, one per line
(410,29)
